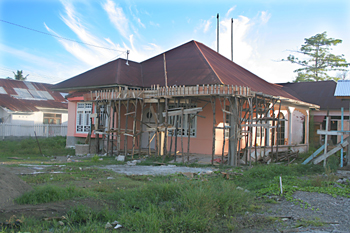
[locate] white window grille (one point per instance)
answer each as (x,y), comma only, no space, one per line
(83,117)
(172,120)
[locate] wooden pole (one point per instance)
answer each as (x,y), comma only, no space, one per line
(141,121)
(113,126)
(149,132)
(159,138)
(273,130)
(256,130)
(251,130)
(165,148)
(134,131)
(98,124)
(213,102)
(278,133)
(189,120)
(176,128)
(326,142)
(224,131)
(182,127)
(118,132)
(126,128)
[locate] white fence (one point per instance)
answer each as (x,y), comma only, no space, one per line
(41,130)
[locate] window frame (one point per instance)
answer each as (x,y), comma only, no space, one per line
(172,119)
(82,121)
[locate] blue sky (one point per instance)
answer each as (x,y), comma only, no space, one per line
(264,32)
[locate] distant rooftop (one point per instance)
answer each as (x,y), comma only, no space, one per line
(342,89)
(320,93)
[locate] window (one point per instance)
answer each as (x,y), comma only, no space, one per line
(83,117)
(172,120)
(52,118)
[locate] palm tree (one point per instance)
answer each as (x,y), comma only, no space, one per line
(19,75)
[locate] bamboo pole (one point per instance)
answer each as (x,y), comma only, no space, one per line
(165,148)
(213,100)
(134,131)
(189,120)
(182,127)
(118,132)
(126,128)
(149,132)
(141,126)
(113,126)
(176,128)
(224,131)
(278,128)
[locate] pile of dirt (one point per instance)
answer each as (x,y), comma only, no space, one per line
(11,186)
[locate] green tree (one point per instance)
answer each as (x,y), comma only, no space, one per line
(19,75)
(318,59)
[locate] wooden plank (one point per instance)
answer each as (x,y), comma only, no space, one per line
(325,132)
(334,150)
(314,154)
(186,111)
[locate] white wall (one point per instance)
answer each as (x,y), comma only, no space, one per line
(297,127)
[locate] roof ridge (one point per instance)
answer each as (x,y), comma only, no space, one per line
(195,42)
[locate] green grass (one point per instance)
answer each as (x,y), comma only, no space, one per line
(25,148)
(50,193)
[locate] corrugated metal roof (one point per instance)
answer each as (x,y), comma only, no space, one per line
(17,101)
(192,63)
(320,93)
(343,88)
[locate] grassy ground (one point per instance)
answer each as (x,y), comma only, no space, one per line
(173,203)
(28,149)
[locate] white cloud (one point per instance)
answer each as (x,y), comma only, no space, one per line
(49,71)
(154,24)
(205,25)
(265,17)
(248,40)
(117,17)
(229,11)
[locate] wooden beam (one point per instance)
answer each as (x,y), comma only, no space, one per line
(334,150)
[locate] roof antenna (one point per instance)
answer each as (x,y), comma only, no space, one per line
(127,57)
(217,16)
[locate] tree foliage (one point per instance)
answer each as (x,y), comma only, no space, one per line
(19,75)
(318,59)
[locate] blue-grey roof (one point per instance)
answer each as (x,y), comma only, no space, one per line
(343,88)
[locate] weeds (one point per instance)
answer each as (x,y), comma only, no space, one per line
(50,193)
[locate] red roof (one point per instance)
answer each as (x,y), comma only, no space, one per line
(192,63)
(13,101)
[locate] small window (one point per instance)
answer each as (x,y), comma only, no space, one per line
(52,118)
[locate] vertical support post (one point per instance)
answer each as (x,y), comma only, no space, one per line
(141,126)
(98,123)
(326,142)
(278,128)
(176,128)
(256,130)
(342,138)
(224,131)
(165,148)
(233,131)
(189,120)
(134,131)
(149,132)
(113,126)
(182,129)
(126,128)
(213,102)
(118,132)
(250,100)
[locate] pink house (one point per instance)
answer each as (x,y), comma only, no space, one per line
(188,100)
